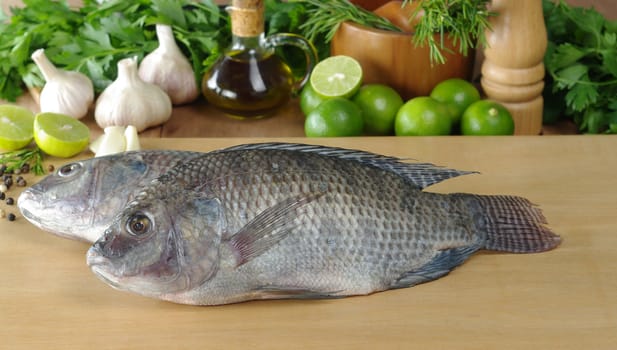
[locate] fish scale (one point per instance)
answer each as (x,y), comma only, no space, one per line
(293,221)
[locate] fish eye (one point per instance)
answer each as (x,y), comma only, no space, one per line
(138,224)
(69,169)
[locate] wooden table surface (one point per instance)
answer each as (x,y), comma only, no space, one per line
(562,299)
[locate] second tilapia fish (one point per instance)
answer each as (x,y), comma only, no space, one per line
(79,200)
(298,221)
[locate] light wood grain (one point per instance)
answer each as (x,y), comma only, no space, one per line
(563,299)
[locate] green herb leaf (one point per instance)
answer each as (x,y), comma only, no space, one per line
(93,38)
(609,61)
(465,22)
(324,18)
(170,10)
(17,159)
(571,75)
(565,55)
(581,96)
(581,59)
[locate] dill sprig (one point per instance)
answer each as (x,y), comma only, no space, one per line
(464,21)
(17,159)
(324,18)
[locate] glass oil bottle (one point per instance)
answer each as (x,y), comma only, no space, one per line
(250,80)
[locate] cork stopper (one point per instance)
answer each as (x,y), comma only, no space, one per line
(247,17)
(248,4)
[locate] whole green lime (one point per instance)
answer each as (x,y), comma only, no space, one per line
(379,104)
(309,99)
(487,117)
(457,94)
(423,116)
(334,117)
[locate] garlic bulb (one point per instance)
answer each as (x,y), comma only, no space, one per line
(131,101)
(168,68)
(65,92)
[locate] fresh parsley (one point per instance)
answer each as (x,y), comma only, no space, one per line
(93,38)
(581,65)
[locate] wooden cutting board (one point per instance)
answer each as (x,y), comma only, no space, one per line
(563,299)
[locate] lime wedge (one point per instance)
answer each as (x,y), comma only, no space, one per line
(15,127)
(337,76)
(60,135)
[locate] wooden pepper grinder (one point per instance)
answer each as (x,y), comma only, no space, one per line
(513,69)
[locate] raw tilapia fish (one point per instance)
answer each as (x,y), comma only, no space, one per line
(297,221)
(80,199)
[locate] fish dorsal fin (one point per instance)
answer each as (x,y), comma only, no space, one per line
(267,228)
(420,174)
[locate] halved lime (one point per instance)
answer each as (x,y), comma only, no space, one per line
(60,135)
(16,125)
(337,76)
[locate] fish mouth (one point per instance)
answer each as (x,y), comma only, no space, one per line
(103,268)
(26,205)
(100,267)
(49,216)
(33,211)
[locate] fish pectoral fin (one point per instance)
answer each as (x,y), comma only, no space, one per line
(267,228)
(287,292)
(440,265)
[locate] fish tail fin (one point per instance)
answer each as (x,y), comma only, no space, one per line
(514,224)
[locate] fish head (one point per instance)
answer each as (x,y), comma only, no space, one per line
(61,196)
(79,200)
(157,248)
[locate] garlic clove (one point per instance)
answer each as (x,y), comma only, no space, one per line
(131,139)
(168,68)
(96,144)
(116,139)
(112,141)
(131,101)
(65,92)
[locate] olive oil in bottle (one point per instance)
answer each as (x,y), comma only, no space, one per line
(250,80)
(246,85)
